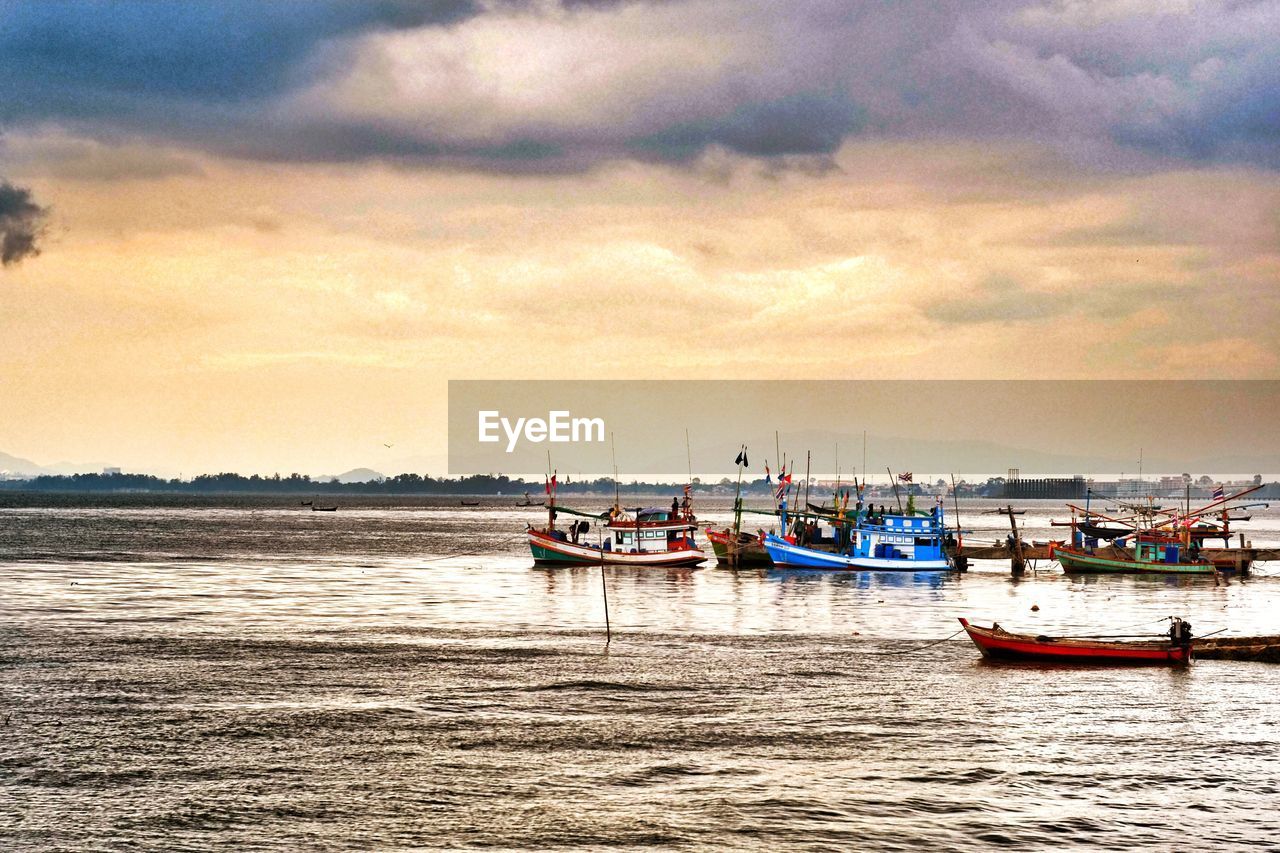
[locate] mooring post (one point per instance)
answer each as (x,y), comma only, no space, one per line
(1017,564)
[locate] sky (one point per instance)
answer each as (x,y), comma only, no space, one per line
(271,232)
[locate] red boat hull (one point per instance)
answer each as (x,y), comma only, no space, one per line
(997,644)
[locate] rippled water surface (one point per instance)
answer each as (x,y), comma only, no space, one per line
(395,675)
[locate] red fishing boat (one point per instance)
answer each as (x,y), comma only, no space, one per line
(998,644)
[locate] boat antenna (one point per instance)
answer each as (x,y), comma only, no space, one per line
(864,456)
(617,490)
(837,470)
(688,453)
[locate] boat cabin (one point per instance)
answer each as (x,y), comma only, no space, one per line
(888,536)
(901,537)
(649,530)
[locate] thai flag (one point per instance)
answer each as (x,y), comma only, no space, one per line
(1218,493)
(906,478)
(767,478)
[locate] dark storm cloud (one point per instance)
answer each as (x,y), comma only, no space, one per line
(74,59)
(804,123)
(527,85)
(21,224)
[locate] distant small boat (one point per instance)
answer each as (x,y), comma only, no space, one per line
(998,644)
(304,503)
(315,508)
(529,501)
(470,503)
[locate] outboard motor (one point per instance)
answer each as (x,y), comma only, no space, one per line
(1179,631)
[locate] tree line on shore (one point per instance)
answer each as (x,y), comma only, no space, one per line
(302,484)
(476,484)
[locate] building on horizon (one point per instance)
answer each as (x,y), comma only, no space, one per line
(1045,487)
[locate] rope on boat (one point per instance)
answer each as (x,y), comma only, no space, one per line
(921,648)
(451,556)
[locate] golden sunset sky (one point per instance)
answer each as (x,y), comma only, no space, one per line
(277,229)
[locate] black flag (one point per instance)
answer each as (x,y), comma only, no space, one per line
(742,458)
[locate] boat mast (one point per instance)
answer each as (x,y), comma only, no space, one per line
(737,495)
(551,494)
(955,499)
(808,460)
(894,482)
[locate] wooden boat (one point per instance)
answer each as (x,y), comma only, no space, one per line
(996,643)
(888,542)
(470,503)
(1264,649)
(647,537)
(1095,530)
(315,508)
(746,552)
(1150,555)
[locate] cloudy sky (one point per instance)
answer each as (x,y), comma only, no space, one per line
(275,229)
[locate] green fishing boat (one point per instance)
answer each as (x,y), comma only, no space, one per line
(1152,555)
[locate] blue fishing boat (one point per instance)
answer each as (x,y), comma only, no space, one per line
(905,542)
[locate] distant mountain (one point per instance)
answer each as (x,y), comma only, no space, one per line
(15,466)
(358,475)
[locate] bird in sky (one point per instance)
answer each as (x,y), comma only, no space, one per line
(388,446)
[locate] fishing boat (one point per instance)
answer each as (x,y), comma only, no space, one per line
(647,537)
(996,643)
(1096,529)
(742,550)
(1163,542)
(642,537)
(315,508)
(470,503)
(529,501)
(903,542)
(1150,555)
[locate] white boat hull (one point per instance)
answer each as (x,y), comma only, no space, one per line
(551,551)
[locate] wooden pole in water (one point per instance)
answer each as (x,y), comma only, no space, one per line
(604,590)
(960,562)
(1017,563)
